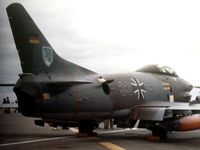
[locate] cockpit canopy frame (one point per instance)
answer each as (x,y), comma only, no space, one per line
(159,69)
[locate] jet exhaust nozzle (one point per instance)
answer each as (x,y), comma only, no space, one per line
(26,102)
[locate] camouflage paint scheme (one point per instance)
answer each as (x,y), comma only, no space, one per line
(65,94)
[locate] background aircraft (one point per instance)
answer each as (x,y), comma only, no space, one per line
(62,93)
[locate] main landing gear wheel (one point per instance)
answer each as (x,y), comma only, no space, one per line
(86,128)
(159,131)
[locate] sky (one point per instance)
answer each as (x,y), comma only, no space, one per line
(111,36)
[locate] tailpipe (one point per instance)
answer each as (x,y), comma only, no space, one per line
(26,103)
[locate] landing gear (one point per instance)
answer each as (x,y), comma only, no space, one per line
(86,128)
(159,131)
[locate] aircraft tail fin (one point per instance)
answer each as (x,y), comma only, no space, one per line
(35,52)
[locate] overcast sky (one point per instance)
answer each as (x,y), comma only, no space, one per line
(110,36)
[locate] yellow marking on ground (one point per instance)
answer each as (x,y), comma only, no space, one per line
(111,146)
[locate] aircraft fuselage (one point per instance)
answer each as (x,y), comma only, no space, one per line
(96,100)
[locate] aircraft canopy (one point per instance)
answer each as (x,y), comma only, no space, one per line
(158,69)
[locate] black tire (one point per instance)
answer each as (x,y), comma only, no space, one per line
(86,127)
(160,132)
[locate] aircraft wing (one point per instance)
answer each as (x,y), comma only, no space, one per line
(156,111)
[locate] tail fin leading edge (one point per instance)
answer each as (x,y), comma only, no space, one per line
(36,54)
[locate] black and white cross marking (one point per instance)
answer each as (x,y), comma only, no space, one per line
(140,91)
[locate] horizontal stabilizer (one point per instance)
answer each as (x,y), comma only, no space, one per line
(15,105)
(7,84)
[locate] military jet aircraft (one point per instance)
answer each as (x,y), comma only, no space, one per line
(65,94)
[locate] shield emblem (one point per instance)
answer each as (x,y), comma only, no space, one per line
(47,55)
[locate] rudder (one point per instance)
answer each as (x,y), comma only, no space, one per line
(35,52)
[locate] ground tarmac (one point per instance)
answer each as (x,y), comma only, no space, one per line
(18,132)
